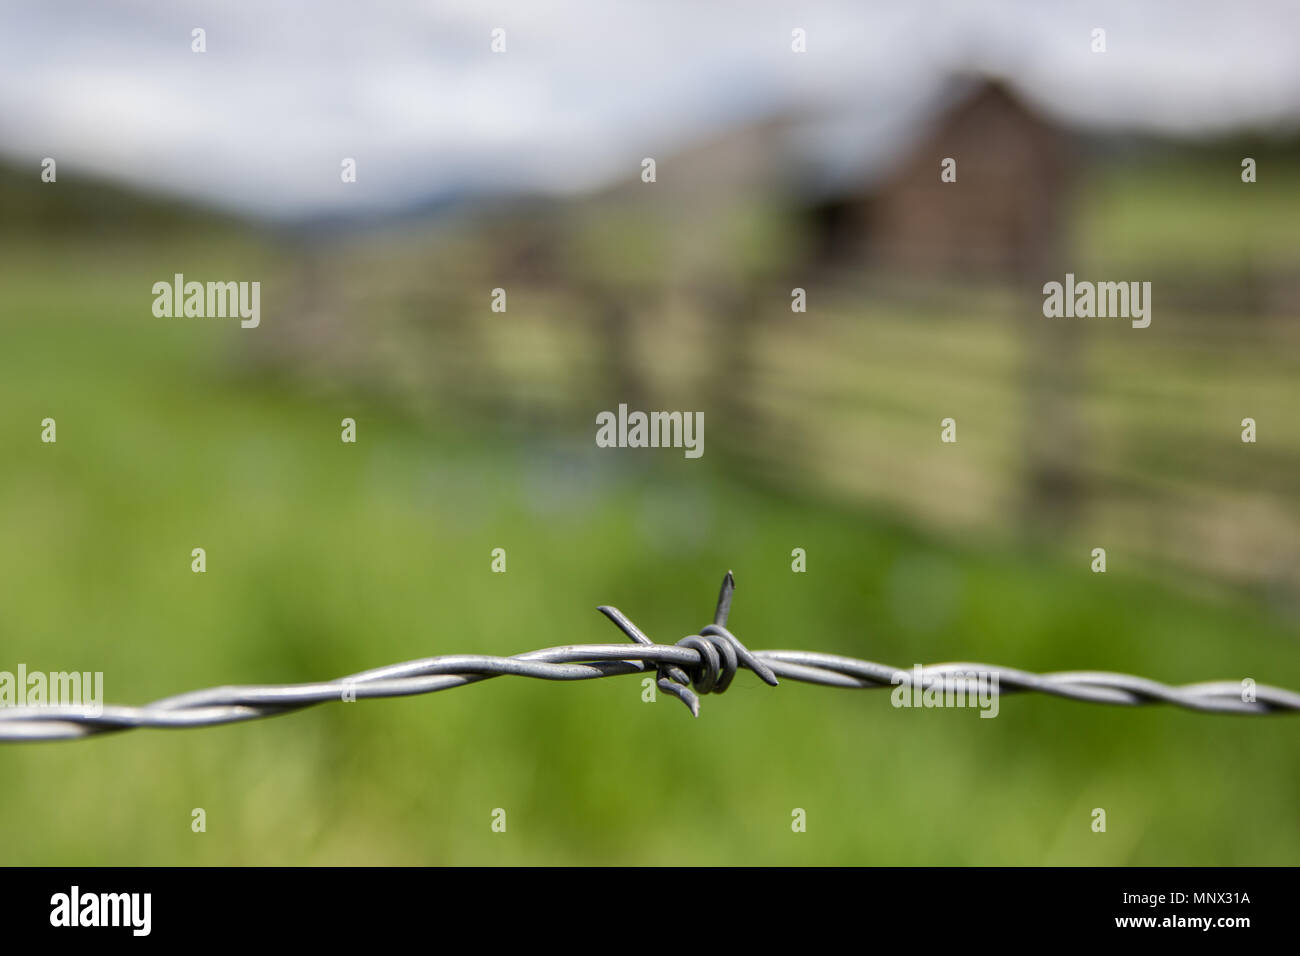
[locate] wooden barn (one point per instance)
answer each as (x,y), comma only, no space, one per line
(1003,216)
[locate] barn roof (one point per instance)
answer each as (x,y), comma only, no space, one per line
(849,151)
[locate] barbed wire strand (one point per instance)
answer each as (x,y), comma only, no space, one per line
(699,664)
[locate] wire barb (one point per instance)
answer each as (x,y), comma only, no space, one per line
(703,663)
(720,654)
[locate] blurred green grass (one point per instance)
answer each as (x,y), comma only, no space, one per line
(325,559)
(1186,209)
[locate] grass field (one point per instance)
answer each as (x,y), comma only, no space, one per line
(325,558)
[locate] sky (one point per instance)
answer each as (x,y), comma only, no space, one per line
(584,90)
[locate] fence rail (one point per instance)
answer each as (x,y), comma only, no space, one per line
(700,664)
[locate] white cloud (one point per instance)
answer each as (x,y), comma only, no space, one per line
(261,121)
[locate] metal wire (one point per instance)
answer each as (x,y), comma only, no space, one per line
(700,664)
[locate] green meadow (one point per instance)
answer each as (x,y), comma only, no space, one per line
(325,558)
(328,558)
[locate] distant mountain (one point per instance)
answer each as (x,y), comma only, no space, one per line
(89,206)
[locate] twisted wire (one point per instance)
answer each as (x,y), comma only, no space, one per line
(698,664)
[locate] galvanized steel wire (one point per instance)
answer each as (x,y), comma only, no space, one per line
(699,664)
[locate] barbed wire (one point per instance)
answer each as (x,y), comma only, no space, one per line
(703,663)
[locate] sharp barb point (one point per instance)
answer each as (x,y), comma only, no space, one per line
(724,599)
